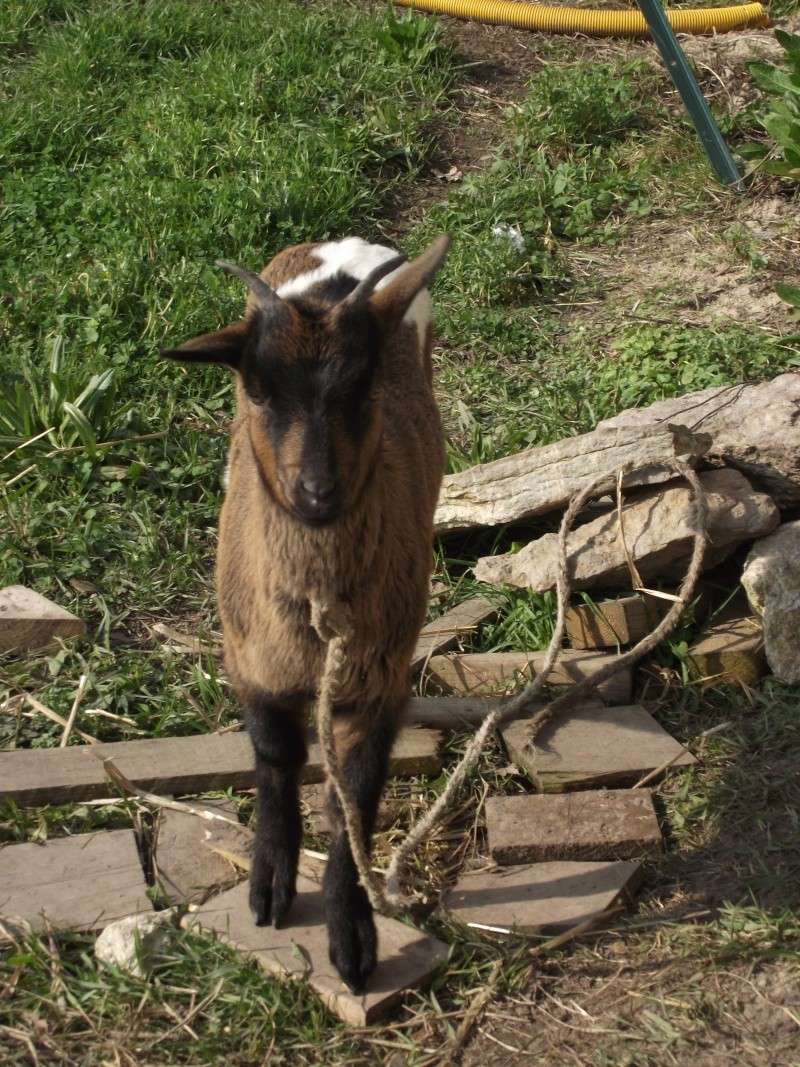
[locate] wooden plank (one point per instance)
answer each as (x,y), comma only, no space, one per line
(173,766)
(593,747)
(603,824)
(482,673)
(539,898)
(407,958)
(443,633)
(449,713)
(614,622)
(729,652)
(186,867)
(73,883)
(30,621)
(312,798)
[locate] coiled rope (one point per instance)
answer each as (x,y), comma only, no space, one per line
(334,629)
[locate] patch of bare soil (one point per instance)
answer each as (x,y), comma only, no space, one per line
(693,271)
(645,1009)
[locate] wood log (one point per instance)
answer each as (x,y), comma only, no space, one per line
(29,621)
(729,652)
(539,480)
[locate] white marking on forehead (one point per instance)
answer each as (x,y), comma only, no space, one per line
(358,258)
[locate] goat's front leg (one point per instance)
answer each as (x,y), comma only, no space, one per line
(275,725)
(364,742)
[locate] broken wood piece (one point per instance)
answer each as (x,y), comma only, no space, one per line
(451,713)
(299,949)
(174,766)
(539,480)
(659,531)
(593,746)
(729,652)
(186,860)
(609,623)
(601,824)
(498,672)
(539,898)
(73,883)
(444,632)
(29,621)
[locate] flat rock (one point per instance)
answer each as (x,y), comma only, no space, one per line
(658,532)
(30,621)
(539,898)
(593,746)
(449,628)
(539,480)
(754,428)
(407,958)
(614,622)
(134,944)
(186,867)
(771,579)
(729,652)
(479,673)
(73,883)
(596,824)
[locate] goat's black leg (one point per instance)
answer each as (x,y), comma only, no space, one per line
(275,725)
(352,938)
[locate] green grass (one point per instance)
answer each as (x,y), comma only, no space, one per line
(140,142)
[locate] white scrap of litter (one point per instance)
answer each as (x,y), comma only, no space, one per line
(512,234)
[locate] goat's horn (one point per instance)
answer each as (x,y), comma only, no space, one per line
(366,286)
(257,286)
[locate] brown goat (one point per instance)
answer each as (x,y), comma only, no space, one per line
(334,468)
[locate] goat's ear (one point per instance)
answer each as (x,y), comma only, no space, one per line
(223,346)
(392,301)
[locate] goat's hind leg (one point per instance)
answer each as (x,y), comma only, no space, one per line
(364,743)
(275,725)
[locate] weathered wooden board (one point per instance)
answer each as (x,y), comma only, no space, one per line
(449,713)
(407,958)
(444,632)
(479,673)
(614,622)
(602,824)
(539,898)
(593,747)
(312,798)
(30,621)
(543,479)
(185,866)
(729,652)
(73,883)
(173,765)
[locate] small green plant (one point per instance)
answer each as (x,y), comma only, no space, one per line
(781,117)
(65,407)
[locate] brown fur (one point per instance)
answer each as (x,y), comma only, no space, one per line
(376,558)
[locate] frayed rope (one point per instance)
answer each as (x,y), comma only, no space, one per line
(333,627)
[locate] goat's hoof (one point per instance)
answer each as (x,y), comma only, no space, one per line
(354,951)
(261,904)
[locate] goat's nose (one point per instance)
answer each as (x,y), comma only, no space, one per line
(317,486)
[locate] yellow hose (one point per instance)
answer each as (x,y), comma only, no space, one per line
(594,23)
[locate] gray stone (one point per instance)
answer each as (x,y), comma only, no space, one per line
(539,480)
(771,578)
(754,428)
(658,532)
(133,944)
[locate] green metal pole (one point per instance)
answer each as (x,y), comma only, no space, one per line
(685,82)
